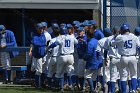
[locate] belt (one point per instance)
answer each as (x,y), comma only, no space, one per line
(67,54)
(113,57)
(53,56)
(127,55)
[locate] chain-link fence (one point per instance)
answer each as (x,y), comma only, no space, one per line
(121,11)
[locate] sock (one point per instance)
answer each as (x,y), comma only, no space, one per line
(49,82)
(82,82)
(73,78)
(119,84)
(123,86)
(98,79)
(138,83)
(109,87)
(54,81)
(57,83)
(9,75)
(37,80)
(90,83)
(69,80)
(134,83)
(5,74)
(94,84)
(112,85)
(33,74)
(65,78)
(43,77)
(130,85)
(61,80)
(101,81)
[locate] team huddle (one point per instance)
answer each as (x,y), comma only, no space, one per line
(82,58)
(79,55)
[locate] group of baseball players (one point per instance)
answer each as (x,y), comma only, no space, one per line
(81,57)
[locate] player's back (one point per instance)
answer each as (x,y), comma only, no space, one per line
(55,51)
(139,38)
(127,44)
(100,46)
(47,35)
(67,44)
(113,50)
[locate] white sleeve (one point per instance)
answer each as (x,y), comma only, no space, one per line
(106,45)
(49,37)
(58,40)
(116,41)
(75,41)
(98,47)
(137,42)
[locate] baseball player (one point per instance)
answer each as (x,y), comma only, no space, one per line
(137,33)
(50,29)
(86,25)
(46,58)
(127,44)
(81,49)
(114,59)
(91,57)
(66,59)
(97,32)
(38,52)
(54,57)
(7,39)
(104,72)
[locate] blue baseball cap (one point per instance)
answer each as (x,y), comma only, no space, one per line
(93,22)
(2,27)
(44,24)
(107,30)
(39,25)
(86,21)
(63,25)
(86,24)
(137,30)
(69,26)
(127,24)
(55,25)
(124,27)
(64,30)
(77,25)
(81,29)
(75,22)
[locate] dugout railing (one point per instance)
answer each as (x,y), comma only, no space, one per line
(18,63)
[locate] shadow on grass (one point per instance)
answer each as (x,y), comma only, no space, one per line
(34,90)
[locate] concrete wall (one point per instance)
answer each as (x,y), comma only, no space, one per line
(50,4)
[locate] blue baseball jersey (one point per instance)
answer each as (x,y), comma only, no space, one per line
(39,45)
(11,42)
(91,54)
(81,47)
(98,34)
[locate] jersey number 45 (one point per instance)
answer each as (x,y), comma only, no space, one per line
(128,44)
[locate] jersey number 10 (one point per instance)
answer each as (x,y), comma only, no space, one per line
(128,44)
(67,43)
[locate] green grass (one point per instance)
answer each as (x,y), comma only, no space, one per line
(23,90)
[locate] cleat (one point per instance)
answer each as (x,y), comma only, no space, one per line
(62,90)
